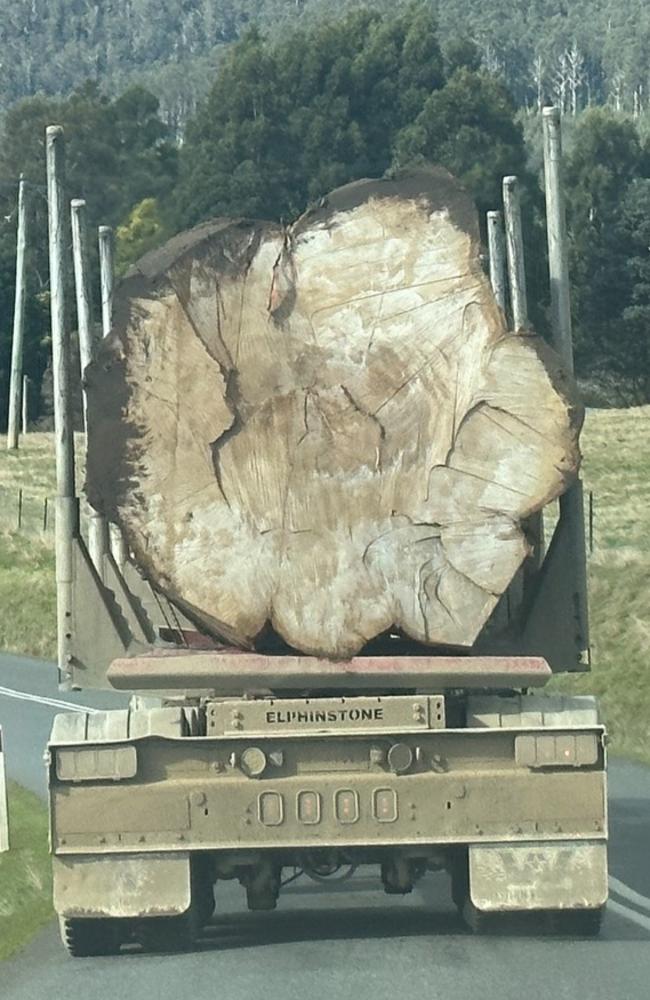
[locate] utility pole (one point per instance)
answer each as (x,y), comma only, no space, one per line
(67,508)
(19,320)
(515,252)
(106,274)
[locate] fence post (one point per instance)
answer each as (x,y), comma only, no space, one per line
(19,320)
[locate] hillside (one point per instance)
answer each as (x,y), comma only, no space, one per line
(616,445)
(592,51)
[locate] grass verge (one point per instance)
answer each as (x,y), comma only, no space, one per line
(25,879)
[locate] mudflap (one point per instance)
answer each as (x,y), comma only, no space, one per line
(142,885)
(555,876)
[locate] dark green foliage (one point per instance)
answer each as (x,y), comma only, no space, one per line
(609,189)
(586,50)
(468,126)
(117,155)
(287,122)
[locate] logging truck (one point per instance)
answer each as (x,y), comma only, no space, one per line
(335,552)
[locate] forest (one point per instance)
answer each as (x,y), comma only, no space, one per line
(579,53)
(288,113)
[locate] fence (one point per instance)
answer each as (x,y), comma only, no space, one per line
(21,510)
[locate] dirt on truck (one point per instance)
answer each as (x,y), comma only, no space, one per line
(336,551)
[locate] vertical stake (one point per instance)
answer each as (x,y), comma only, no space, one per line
(45,514)
(67,509)
(572,511)
(82,291)
(20,509)
(497,251)
(97,529)
(515,252)
(25,402)
(19,319)
(558,257)
(106,273)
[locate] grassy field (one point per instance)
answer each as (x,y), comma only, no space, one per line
(25,885)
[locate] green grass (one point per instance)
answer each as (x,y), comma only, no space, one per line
(27,589)
(616,445)
(25,879)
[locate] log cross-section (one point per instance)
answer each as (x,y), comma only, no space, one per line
(326,428)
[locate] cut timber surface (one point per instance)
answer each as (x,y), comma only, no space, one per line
(327,427)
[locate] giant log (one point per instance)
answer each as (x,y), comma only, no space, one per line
(326,429)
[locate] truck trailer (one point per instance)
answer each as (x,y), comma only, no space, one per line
(254,760)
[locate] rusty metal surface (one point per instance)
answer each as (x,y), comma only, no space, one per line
(538,876)
(234,672)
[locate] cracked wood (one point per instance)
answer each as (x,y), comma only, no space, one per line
(326,427)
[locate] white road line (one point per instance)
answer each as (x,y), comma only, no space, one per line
(67,706)
(621,889)
(627,914)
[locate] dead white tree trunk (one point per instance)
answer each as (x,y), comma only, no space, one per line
(328,429)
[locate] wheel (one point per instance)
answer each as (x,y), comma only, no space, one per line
(88,938)
(576,923)
(203,889)
(476,920)
(169,934)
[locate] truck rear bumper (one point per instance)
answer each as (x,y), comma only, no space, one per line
(468,787)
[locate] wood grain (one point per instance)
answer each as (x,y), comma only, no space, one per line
(327,428)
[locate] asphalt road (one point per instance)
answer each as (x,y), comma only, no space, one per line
(346,941)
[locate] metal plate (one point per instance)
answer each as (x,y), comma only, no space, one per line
(316,716)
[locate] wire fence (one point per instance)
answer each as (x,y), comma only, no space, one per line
(26,512)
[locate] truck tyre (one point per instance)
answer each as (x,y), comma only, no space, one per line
(169,934)
(89,938)
(576,923)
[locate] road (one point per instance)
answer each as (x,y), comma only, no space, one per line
(350,941)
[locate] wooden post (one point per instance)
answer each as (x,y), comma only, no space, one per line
(97,529)
(558,257)
(572,510)
(497,251)
(45,514)
(106,272)
(25,402)
(19,519)
(515,253)
(67,508)
(82,289)
(19,320)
